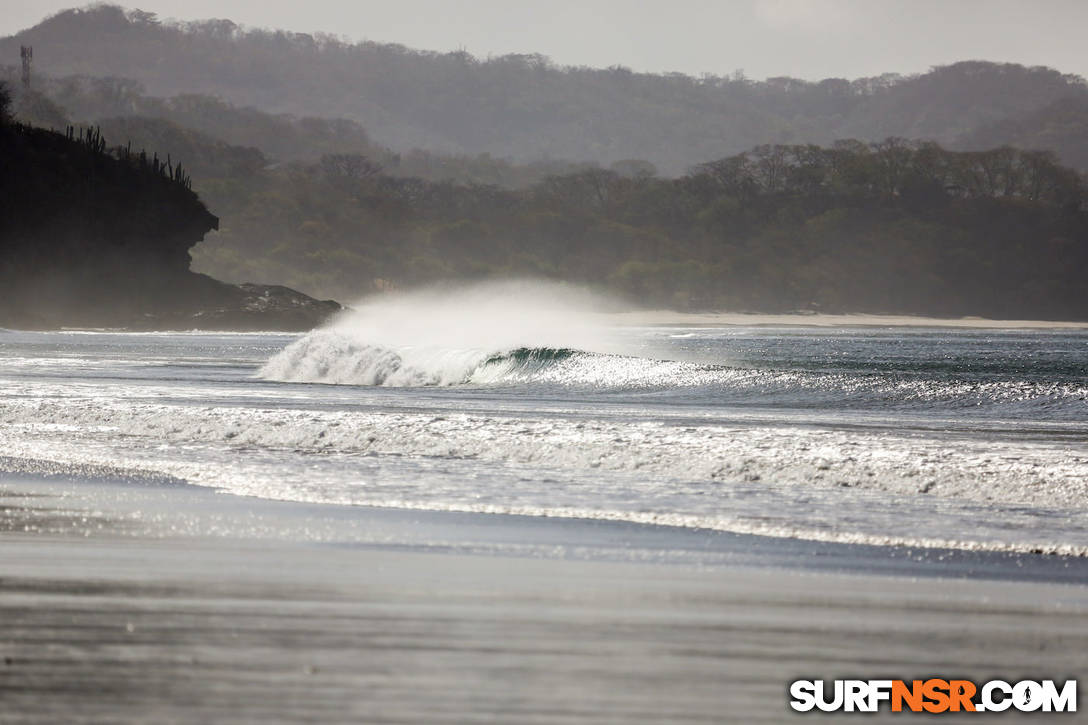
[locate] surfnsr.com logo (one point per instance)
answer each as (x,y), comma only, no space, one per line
(933,696)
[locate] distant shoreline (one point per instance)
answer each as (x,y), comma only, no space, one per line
(665,318)
(755,319)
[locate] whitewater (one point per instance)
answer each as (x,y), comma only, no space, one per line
(530,399)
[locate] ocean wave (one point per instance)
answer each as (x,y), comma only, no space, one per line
(328,356)
(848,486)
(658,451)
(335,358)
(332,357)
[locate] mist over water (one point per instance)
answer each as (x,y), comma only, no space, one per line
(549,334)
(511,313)
(450,335)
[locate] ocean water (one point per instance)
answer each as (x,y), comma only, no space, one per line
(927,436)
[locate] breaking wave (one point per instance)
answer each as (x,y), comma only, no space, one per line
(530,333)
(868,437)
(483,333)
(331,357)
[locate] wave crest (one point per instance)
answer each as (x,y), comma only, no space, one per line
(327,356)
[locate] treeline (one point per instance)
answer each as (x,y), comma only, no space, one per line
(96,157)
(524,107)
(1061,126)
(93,140)
(895,227)
(213,135)
(919,171)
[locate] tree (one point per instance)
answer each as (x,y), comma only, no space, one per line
(349,167)
(5,103)
(634,169)
(892,156)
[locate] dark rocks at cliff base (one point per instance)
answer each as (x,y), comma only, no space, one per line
(256,307)
(189,302)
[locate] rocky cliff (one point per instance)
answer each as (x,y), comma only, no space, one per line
(92,236)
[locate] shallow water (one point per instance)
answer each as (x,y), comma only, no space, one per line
(928,436)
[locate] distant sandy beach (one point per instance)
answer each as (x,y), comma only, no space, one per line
(129,603)
(670,317)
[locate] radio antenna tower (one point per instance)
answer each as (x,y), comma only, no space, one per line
(28,55)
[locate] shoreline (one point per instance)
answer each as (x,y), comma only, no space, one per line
(166,509)
(175,510)
(208,606)
(667,318)
(758,319)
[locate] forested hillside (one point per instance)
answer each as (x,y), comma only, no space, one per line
(523,107)
(1061,126)
(892,227)
(309,156)
(212,134)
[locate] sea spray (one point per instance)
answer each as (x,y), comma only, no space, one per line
(551,334)
(445,336)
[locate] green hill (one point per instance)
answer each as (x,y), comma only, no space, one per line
(524,107)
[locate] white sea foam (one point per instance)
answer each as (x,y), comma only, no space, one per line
(444,336)
(658,451)
(666,455)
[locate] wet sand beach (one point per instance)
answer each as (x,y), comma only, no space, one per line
(134,604)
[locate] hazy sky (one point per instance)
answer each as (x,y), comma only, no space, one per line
(801,38)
